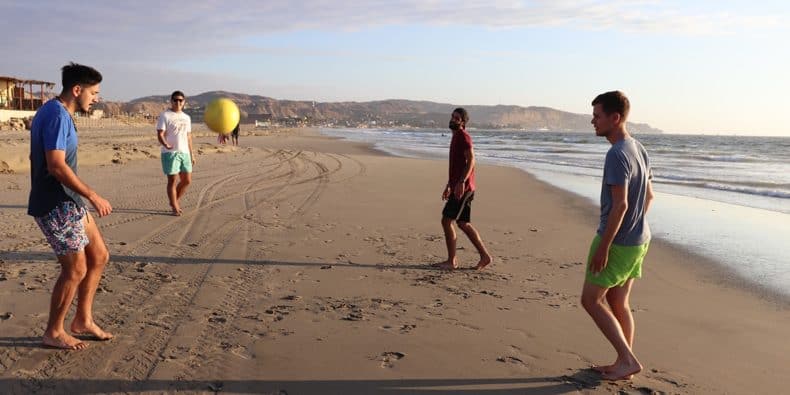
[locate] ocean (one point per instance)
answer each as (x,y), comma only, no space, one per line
(724,197)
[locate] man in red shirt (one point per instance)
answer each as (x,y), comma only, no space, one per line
(459,192)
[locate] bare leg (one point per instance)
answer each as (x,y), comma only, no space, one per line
(618,299)
(184,180)
(474,237)
(72,272)
(450,240)
(171,194)
(96,259)
(626,363)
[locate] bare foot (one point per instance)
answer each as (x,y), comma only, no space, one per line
(602,368)
(448,264)
(623,371)
(176,212)
(485,260)
(63,342)
(91,331)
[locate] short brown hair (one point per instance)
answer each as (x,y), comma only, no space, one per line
(613,102)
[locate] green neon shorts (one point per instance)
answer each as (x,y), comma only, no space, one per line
(176,162)
(625,262)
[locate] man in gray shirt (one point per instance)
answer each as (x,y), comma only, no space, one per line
(623,236)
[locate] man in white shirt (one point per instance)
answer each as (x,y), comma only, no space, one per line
(174,129)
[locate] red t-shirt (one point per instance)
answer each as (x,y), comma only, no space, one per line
(461,142)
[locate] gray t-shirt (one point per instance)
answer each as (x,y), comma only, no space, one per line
(627,163)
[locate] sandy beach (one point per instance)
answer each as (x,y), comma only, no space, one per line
(301,266)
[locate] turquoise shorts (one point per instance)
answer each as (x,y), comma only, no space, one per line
(176,162)
(625,263)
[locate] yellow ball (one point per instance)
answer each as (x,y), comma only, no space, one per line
(222,115)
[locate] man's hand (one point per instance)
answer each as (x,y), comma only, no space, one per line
(168,146)
(458,190)
(101,205)
(600,259)
(446,193)
(193,159)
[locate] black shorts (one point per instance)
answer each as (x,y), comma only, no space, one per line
(459,210)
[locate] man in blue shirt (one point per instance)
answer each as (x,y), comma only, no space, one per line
(56,204)
(623,236)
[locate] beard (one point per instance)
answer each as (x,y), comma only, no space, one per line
(84,105)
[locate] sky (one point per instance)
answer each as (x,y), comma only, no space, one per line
(711,67)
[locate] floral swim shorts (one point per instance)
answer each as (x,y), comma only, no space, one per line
(64,228)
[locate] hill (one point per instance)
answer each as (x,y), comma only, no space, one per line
(393,113)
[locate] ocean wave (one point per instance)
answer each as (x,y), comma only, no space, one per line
(782,192)
(729,179)
(724,158)
(532,149)
(580,140)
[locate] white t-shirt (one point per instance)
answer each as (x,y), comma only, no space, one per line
(177,125)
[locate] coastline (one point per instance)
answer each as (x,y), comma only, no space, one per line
(745,240)
(328,257)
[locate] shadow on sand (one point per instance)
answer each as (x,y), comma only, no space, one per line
(536,385)
(31,256)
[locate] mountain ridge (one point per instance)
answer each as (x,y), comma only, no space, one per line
(377,113)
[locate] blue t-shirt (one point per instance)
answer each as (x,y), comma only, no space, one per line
(52,129)
(627,163)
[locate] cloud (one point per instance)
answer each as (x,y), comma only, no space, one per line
(147,37)
(155,31)
(180,23)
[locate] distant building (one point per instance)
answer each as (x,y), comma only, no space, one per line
(196,113)
(17,98)
(14,96)
(260,120)
(94,114)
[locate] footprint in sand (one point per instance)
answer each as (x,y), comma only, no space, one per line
(512,361)
(568,265)
(6,316)
(404,329)
(388,358)
(217,318)
(665,377)
(490,293)
(354,316)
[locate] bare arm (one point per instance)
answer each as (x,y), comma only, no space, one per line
(160,135)
(458,188)
(613,223)
(56,165)
(649,196)
(189,140)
